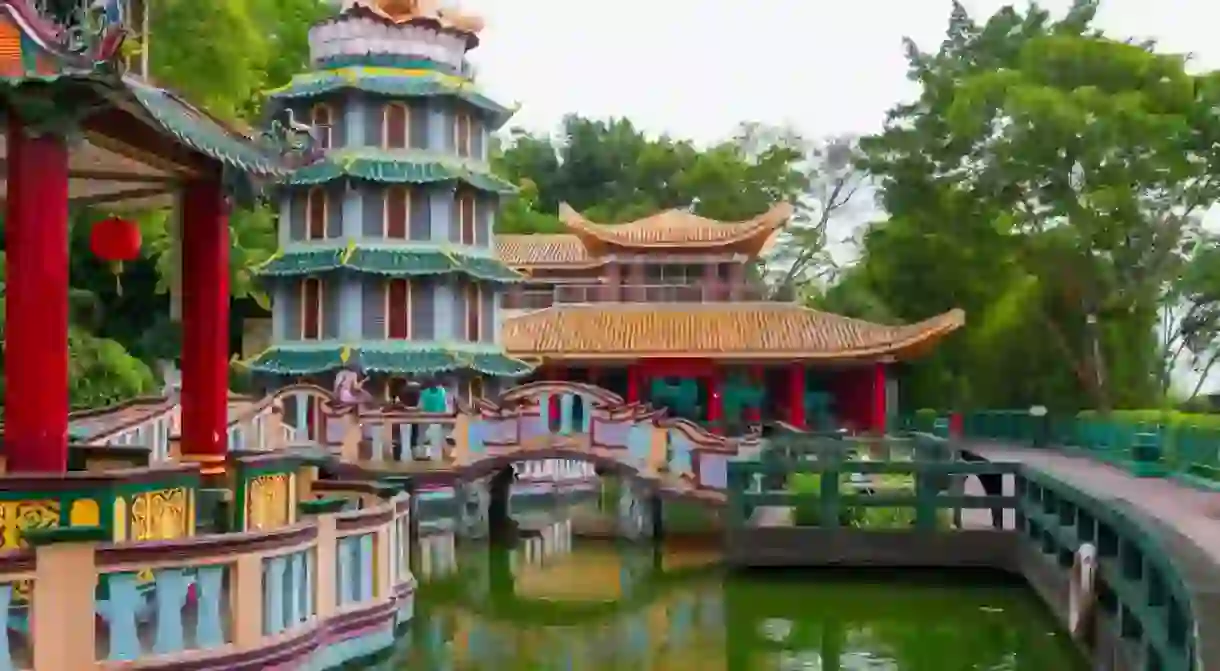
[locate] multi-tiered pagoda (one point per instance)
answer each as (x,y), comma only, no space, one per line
(387,259)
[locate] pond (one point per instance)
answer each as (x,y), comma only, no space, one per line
(559,602)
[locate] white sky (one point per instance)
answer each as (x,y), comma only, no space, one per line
(696,68)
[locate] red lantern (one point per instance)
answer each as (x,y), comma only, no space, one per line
(115,240)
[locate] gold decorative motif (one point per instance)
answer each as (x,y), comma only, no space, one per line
(267,502)
(17,516)
(159,515)
(84,513)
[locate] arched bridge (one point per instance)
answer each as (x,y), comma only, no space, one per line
(543,421)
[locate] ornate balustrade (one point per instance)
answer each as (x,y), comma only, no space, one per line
(319,593)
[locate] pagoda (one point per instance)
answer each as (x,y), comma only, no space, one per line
(386,258)
(665,310)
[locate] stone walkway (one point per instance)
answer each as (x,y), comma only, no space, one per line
(1193,513)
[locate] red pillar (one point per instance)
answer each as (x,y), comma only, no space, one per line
(796,395)
(36,303)
(633,383)
(877,423)
(205,325)
(715,401)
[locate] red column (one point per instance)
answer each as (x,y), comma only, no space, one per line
(36,303)
(715,401)
(633,383)
(877,425)
(796,395)
(205,325)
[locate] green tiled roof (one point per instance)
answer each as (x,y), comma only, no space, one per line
(391,262)
(400,167)
(396,82)
(397,357)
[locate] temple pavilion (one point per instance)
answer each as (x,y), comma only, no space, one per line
(668,309)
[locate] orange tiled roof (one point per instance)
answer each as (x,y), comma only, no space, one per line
(724,330)
(680,229)
(535,251)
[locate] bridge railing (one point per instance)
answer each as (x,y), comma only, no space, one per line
(217,600)
(1144,593)
(838,483)
(1148,445)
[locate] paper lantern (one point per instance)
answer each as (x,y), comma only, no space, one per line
(115,240)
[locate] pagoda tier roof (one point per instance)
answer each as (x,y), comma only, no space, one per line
(554,250)
(721,331)
(678,230)
(409,260)
(403,357)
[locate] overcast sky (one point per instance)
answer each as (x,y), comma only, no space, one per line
(696,68)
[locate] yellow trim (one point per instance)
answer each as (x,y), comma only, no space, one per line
(329,125)
(385,212)
(321,306)
(309,205)
(385,125)
(347,253)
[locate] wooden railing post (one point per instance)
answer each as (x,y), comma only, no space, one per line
(328,556)
(246,598)
(65,584)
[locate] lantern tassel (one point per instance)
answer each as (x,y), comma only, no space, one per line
(116,267)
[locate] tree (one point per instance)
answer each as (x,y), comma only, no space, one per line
(1074,165)
(612,172)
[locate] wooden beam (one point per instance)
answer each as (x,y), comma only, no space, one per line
(130,135)
(108,175)
(119,196)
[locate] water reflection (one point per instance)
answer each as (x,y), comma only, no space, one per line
(556,602)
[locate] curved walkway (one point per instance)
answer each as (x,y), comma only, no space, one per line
(1191,512)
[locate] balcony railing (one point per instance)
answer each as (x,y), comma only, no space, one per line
(577,294)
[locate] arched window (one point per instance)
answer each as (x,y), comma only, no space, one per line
(396,126)
(397,212)
(322,118)
(311,308)
(317,212)
(398,309)
(464,128)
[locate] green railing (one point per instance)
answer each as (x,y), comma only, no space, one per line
(1178,449)
(1140,588)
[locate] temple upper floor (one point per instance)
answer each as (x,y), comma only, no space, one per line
(674,256)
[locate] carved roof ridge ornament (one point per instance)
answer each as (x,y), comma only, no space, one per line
(404,11)
(88,31)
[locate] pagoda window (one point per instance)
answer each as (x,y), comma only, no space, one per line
(312,295)
(464,129)
(474,312)
(396,126)
(466,217)
(398,309)
(397,212)
(322,118)
(317,212)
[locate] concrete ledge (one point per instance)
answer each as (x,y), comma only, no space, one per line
(812,547)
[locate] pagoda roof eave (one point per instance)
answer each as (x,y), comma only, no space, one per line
(730,331)
(678,229)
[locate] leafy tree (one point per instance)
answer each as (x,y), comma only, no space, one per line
(1066,170)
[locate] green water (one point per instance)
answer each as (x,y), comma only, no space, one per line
(598,606)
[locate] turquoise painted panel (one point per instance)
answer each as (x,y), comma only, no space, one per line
(351,306)
(348,563)
(566,410)
(354,113)
(367,571)
(305,588)
(170,590)
(544,413)
(273,594)
(209,629)
(124,605)
(586,418)
(639,444)
(302,420)
(444,305)
(477,436)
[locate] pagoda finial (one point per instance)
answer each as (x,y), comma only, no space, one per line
(402,11)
